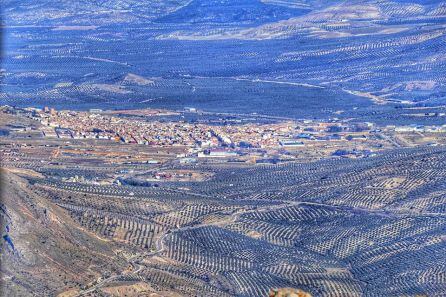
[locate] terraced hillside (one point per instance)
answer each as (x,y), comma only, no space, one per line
(343,227)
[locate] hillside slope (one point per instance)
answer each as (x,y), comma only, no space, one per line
(43,251)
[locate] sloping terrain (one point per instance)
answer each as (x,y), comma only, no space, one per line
(43,251)
(74,13)
(342,227)
(369,227)
(88,217)
(230,11)
(388,52)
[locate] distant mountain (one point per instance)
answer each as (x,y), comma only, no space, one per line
(393,49)
(51,12)
(95,12)
(231,11)
(254,12)
(313,4)
(335,19)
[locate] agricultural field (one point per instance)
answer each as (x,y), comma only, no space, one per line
(288,55)
(223,148)
(329,227)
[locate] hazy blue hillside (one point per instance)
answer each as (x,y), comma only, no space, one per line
(95,12)
(230,11)
(387,53)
